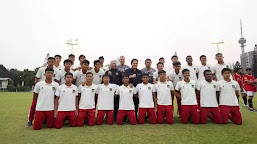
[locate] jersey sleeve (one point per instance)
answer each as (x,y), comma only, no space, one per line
(37,88)
(237,86)
(39,73)
(154,75)
(218,87)
(58,91)
(58,76)
(178,86)
(97,89)
(76,91)
(198,86)
(153,89)
(79,89)
(118,91)
(171,86)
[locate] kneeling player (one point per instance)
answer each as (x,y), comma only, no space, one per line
(164,90)
(44,96)
(86,100)
(65,102)
(105,100)
(207,90)
(189,107)
(126,104)
(147,100)
(228,94)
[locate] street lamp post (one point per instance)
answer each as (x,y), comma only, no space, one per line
(72,43)
(218,43)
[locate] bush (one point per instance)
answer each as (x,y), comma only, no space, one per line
(23,88)
(11,88)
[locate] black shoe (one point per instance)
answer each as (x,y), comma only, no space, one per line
(29,124)
(252,109)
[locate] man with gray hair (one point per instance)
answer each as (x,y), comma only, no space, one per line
(122,67)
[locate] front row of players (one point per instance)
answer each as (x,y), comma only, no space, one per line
(218,100)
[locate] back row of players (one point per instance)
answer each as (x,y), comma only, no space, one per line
(120,89)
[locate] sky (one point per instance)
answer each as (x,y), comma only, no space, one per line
(29,29)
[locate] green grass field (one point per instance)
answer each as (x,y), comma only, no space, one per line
(14,109)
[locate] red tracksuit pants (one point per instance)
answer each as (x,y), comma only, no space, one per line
(61,117)
(88,114)
(131,115)
(190,111)
(102,113)
(231,112)
(142,114)
(214,111)
(40,116)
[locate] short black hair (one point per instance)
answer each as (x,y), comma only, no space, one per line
(101,57)
(125,75)
(71,55)
(248,69)
(89,73)
(206,71)
(188,56)
(147,60)
(185,70)
(174,57)
(159,63)
(96,61)
(81,56)
(202,56)
(86,62)
(67,61)
(145,74)
(162,72)
(133,60)
(68,73)
(161,58)
(58,56)
(226,69)
(49,69)
(218,54)
(106,75)
(50,58)
(176,63)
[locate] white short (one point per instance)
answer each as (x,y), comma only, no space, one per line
(251,93)
(243,91)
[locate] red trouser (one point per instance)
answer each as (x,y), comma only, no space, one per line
(86,113)
(62,115)
(190,111)
(165,110)
(40,117)
(235,114)
(131,115)
(150,112)
(215,111)
(32,109)
(101,114)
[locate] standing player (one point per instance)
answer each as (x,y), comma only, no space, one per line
(82,58)
(57,60)
(97,72)
(122,67)
(86,99)
(103,68)
(220,66)
(228,98)
(250,82)
(65,103)
(44,92)
(147,100)
(160,67)
(164,90)
(173,59)
(207,90)
(80,75)
(105,104)
(72,58)
(239,79)
(60,76)
(189,107)
(193,69)
(126,104)
(202,68)
(148,69)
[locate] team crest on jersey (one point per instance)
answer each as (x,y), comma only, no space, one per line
(110,89)
(194,68)
(168,86)
(73,91)
(130,91)
(100,76)
(149,88)
(214,86)
(180,78)
(209,68)
(233,86)
(53,88)
(193,86)
(226,66)
(93,90)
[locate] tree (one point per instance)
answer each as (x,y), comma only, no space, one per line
(254,66)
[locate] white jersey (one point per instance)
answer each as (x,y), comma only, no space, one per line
(175,78)
(41,74)
(208,91)
(164,92)
(217,70)
(80,77)
(145,94)
(97,76)
(67,97)
(104,68)
(193,70)
(87,99)
(201,70)
(60,76)
(126,97)
(228,92)
(57,69)
(105,99)
(187,90)
(46,93)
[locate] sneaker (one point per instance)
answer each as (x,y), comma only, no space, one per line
(252,109)
(246,105)
(28,124)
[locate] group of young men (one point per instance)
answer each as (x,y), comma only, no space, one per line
(118,93)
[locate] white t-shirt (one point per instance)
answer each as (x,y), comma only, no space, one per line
(80,77)
(208,93)
(156,76)
(60,76)
(126,97)
(87,99)
(67,97)
(175,78)
(97,76)
(187,90)
(145,94)
(41,74)
(46,92)
(217,70)
(227,92)
(164,92)
(105,99)
(104,69)
(57,69)
(193,70)
(201,69)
